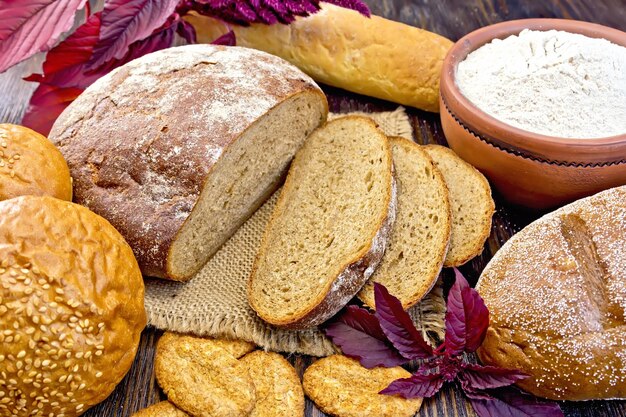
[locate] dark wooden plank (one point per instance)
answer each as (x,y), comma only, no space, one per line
(451,18)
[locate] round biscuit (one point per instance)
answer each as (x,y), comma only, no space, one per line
(278,387)
(203,379)
(341,387)
(162,409)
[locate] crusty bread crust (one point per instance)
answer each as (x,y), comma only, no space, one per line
(141,141)
(556,294)
(350,276)
(374,56)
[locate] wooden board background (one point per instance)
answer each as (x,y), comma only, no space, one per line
(451,18)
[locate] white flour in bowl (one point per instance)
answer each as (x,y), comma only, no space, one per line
(554,83)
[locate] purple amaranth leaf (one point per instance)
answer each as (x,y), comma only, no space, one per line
(186,31)
(417,386)
(65,75)
(357,5)
(511,402)
(246,12)
(357,332)
(479,377)
(227,39)
(31,26)
(398,326)
(125,22)
(46,103)
(467,318)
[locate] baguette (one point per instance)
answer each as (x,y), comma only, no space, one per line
(372,56)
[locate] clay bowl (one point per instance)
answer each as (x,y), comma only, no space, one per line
(528,169)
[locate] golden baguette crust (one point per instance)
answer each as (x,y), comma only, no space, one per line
(203,379)
(31,165)
(351,275)
(556,294)
(162,409)
(471,204)
(278,387)
(341,387)
(340,47)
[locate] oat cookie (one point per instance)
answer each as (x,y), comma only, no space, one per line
(203,379)
(162,409)
(237,348)
(278,387)
(340,386)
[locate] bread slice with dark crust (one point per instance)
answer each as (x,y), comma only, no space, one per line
(471,204)
(420,235)
(329,228)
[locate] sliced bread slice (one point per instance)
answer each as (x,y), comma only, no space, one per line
(419,238)
(471,203)
(329,228)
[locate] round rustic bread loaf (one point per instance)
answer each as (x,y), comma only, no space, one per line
(557,296)
(178,148)
(31,165)
(71,307)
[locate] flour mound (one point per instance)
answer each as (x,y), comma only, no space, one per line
(554,83)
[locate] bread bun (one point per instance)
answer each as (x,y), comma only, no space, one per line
(71,307)
(31,165)
(556,292)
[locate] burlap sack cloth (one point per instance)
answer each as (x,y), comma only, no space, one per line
(214,302)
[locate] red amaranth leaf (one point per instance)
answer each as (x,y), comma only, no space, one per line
(125,22)
(47,102)
(245,12)
(65,63)
(31,26)
(467,318)
(65,74)
(186,31)
(357,332)
(512,402)
(398,326)
(479,377)
(75,49)
(417,386)
(227,39)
